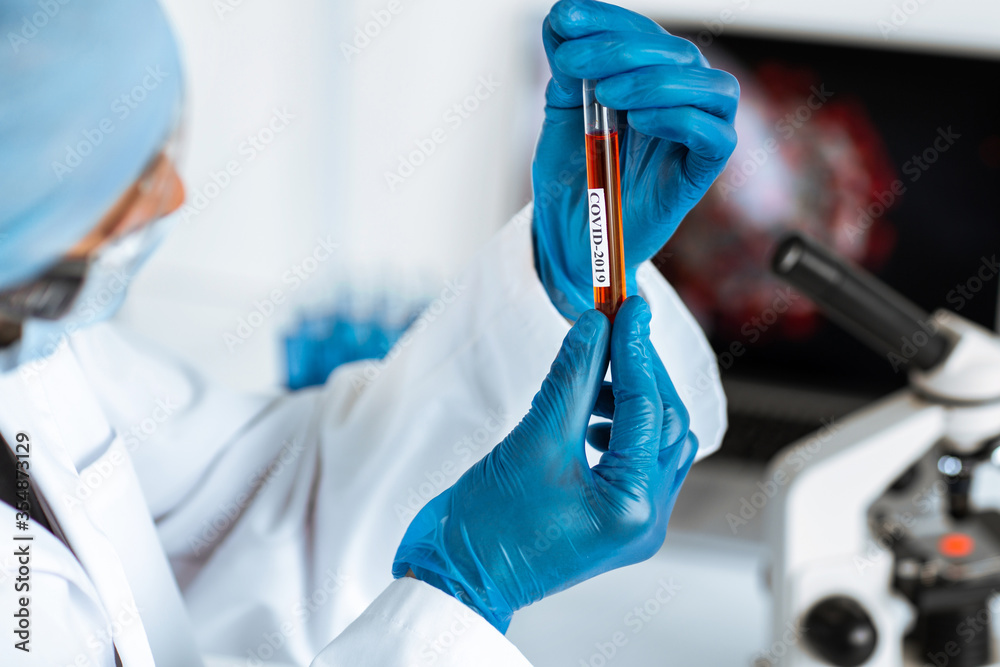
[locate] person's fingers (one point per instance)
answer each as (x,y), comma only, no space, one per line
(683,460)
(599,435)
(710,90)
(703,144)
(564,91)
(710,139)
(674,464)
(676,420)
(578,18)
(605,404)
(610,53)
(634,444)
(572,20)
(562,406)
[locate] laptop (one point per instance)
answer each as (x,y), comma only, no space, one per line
(891,157)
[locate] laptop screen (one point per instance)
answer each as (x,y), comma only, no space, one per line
(890,157)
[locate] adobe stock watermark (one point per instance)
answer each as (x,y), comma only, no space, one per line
(453,119)
(967,629)
(121,107)
(224,7)
(265,308)
(789,638)
(634,621)
(924,501)
(523,217)
(31,25)
(371,369)
(463,619)
(372,28)
(474,444)
(86,310)
(250,149)
(965,291)
(100,471)
(271,642)
(899,16)
(103,638)
(786,127)
(914,168)
(551,190)
(215,527)
(797,458)
(910,346)
(751,331)
(715,27)
(554,531)
(879,547)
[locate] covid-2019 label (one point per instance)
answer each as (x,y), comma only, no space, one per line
(598,224)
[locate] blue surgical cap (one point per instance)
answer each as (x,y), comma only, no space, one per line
(89,93)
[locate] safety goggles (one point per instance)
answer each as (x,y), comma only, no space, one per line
(155,193)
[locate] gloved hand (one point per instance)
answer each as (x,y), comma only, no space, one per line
(677,140)
(532,517)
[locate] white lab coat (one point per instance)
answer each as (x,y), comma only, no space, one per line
(278,516)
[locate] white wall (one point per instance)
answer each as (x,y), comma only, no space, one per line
(324,174)
(953,25)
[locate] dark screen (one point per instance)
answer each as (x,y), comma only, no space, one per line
(947,222)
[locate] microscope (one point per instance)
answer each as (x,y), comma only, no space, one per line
(879,554)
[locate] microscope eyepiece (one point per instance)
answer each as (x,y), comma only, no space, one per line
(860,303)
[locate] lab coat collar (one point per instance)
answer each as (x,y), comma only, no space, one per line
(84,476)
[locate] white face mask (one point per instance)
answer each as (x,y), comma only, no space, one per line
(100,297)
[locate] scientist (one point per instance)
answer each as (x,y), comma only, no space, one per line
(338,525)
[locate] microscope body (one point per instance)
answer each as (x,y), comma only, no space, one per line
(831,557)
(875,551)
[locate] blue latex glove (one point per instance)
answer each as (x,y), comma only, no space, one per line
(677,140)
(532,517)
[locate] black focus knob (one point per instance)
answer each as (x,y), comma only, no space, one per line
(840,631)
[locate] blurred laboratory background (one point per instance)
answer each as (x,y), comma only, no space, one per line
(345,160)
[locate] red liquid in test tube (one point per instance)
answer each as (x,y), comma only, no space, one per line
(604,204)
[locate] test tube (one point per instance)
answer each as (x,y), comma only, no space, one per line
(604,203)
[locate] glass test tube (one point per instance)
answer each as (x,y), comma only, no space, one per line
(604,203)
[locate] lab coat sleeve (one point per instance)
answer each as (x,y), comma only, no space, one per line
(412,623)
(454,385)
(479,351)
(321,484)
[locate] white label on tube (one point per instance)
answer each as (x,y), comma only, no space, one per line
(597,220)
